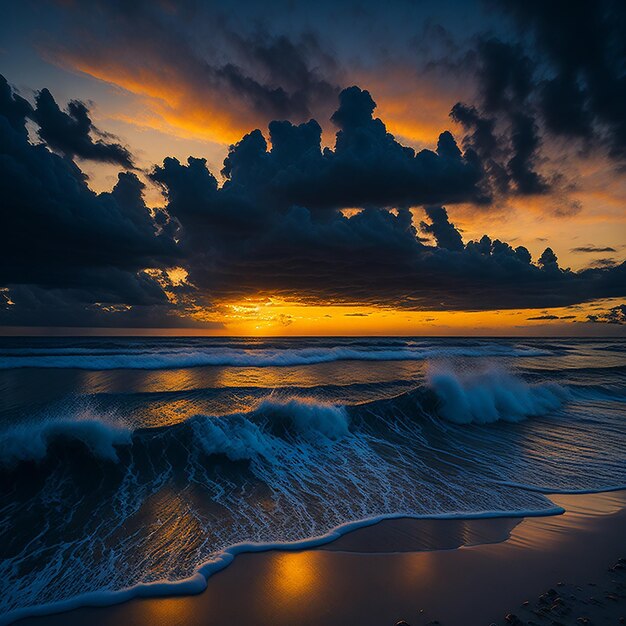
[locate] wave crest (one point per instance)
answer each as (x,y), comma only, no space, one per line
(246,436)
(32,443)
(264,432)
(239,436)
(491,395)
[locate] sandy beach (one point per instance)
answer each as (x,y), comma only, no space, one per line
(561,569)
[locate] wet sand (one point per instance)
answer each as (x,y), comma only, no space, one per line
(455,572)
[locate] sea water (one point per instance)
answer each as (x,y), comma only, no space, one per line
(139,466)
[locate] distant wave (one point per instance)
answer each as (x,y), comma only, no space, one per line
(233,357)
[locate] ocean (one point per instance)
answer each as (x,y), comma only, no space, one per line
(139,466)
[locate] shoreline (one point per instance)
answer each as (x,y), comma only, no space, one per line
(584,515)
(198,581)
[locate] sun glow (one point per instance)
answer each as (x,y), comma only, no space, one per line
(273,316)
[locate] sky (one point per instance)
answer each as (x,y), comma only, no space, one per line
(298,168)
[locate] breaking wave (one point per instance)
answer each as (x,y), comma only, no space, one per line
(240,436)
(462,398)
(491,395)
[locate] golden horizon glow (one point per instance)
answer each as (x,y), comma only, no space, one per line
(268,316)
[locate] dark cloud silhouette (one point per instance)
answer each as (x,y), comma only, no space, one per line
(591,249)
(581,46)
(538,318)
(367,167)
(548,260)
(36,306)
(614,315)
(565,80)
(244,76)
(58,234)
(505,83)
(71,132)
(14,109)
(291,65)
(606,262)
(276,226)
(445,234)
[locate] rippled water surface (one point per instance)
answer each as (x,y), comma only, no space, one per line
(128,461)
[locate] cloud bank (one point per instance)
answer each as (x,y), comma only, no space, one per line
(276,225)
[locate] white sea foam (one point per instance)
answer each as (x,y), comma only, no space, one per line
(310,467)
(197,583)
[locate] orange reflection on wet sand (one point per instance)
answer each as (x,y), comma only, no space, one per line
(294,574)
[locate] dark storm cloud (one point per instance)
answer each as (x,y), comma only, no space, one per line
(14,109)
(538,318)
(58,234)
(71,132)
(249,77)
(582,45)
(603,263)
(275,227)
(36,306)
(445,234)
(292,66)
(367,167)
(567,79)
(503,130)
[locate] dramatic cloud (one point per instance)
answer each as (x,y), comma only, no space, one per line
(367,167)
(505,83)
(582,47)
(277,226)
(445,234)
(566,80)
(58,234)
(219,85)
(71,133)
